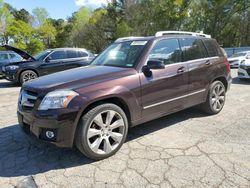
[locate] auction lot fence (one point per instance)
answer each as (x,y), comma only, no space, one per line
(231,51)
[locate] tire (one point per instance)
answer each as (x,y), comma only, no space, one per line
(98,139)
(27,76)
(215,99)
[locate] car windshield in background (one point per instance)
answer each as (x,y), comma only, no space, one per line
(41,56)
(239,54)
(122,54)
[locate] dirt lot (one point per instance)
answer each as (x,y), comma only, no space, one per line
(186,149)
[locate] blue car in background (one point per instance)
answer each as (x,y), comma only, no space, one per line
(7,57)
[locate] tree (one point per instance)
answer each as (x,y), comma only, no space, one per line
(5,19)
(40,15)
(22,15)
(47,33)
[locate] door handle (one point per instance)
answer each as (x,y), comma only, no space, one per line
(181,70)
(208,62)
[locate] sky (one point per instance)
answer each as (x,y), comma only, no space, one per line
(56,8)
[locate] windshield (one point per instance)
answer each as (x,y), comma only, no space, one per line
(122,54)
(41,56)
(239,54)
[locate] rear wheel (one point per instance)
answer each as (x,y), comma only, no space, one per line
(102,131)
(215,99)
(27,76)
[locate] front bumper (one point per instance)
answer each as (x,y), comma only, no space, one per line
(11,76)
(243,73)
(61,123)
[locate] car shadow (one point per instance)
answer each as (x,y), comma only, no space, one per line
(238,81)
(23,155)
(7,84)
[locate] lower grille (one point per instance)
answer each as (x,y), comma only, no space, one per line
(27,100)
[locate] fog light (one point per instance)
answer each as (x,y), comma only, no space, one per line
(50,134)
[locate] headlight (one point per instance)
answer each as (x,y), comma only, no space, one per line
(12,67)
(57,99)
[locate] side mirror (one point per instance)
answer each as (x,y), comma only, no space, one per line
(152,64)
(48,59)
(156,64)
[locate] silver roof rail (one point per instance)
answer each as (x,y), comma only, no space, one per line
(127,38)
(161,33)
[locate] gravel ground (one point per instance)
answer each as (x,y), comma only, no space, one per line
(186,149)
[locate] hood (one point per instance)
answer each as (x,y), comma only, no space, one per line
(23,54)
(77,78)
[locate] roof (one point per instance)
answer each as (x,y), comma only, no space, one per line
(166,34)
(68,49)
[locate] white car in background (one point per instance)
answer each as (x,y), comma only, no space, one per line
(238,58)
(244,69)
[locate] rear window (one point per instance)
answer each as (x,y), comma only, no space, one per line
(212,48)
(192,49)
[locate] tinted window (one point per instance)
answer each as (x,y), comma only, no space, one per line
(82,54)
(167,51)
(12,56)
(72,54)
(3,56)
(58,55)
(212,48)
(15,57)
(192,49)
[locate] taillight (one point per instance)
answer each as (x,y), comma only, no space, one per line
(227,64)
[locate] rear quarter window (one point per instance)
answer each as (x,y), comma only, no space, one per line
(82,54)
(212,47)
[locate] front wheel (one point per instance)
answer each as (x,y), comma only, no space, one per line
(102,131)
(215,99)
(27,76)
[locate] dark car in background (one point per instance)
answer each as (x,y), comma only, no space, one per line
(134,80)
(47,62)
(7,57)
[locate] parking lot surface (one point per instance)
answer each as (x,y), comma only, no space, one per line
(186,149)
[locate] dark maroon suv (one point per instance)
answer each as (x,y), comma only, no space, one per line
(134,80)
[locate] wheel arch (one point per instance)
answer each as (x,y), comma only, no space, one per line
(223,80)
(27,69)
(113,100)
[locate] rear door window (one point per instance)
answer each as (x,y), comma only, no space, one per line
(192,49)
(72,54)
(166,50)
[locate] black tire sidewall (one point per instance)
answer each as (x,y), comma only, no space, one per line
(85,123)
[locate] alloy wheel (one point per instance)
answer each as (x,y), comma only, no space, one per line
(218,97)
(105,132)
(29,76)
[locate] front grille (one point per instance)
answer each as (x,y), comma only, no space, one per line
(27,100)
